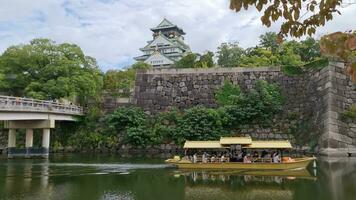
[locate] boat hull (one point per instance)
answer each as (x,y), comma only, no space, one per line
(299,163)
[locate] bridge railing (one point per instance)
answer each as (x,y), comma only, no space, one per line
(10,103)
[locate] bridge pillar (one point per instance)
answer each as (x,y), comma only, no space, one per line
(29,137)
(46,140)
(12,138)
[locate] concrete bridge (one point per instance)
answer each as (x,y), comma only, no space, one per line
(25,113)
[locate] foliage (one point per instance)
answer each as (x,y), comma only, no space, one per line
(229,54)
(140,65)
(123,80)
(342,46)
(259,105)
(205,61)
(350,113)
(200,123)
(115,80)
(165,126)
(125,117)
(228,94)
(269,41)
(294,24)
(43,69)
(86,140)
(191,60)
(293,56)
(187,61)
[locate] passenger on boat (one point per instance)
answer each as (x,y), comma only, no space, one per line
(264,154)
(255,154)
(222,159)
(205,157)
(247,158)
(276,158)
(195,158)
(212,159)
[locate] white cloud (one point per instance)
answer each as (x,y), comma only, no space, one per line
(113,31)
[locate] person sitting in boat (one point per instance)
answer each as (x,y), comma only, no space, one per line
(247,158)
(212,159)
(205,157)
(222,159)
(276,158)
(264,154)
(255,154)
(195,158)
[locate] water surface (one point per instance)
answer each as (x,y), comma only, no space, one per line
(111,177)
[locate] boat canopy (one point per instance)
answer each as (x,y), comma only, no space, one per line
(203,145)
(268,144)
(235,140)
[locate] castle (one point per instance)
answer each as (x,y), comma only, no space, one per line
(166,47)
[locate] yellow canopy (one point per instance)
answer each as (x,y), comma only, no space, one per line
(202,145)
(235,140)
(275,144)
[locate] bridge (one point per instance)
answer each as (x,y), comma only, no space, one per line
(26,113)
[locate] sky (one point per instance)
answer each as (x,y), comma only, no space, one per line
(112,31)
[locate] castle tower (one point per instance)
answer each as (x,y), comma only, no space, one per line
(166,47)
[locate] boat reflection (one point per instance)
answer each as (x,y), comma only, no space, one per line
(243,184)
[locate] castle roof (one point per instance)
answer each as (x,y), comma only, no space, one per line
(166,24)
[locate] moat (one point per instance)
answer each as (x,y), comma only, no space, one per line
(78,176)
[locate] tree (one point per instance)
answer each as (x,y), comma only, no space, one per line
(187,61)
(43,69)
(229,54)
(295,23)
(140,65)
(115,80)
(205,61)
(269,41)
(259,57)
(309,50)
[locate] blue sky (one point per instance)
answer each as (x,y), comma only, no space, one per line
(112,31)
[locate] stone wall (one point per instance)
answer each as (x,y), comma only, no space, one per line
(338,136)
(317,99)
(162,89)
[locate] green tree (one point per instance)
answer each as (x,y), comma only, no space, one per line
(258,105)
(115,80)
(288,56)
(43,69)
(200,123)
(259,57)
(228,94)
(140,65)
(187,61)
(269,40)
(309,50)
(205,61)
(229,54)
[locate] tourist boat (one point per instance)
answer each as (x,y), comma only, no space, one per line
(241,143)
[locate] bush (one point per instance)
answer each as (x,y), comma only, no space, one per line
(123,118)
(200,123)
(228,94)
(86,140)
(260,104)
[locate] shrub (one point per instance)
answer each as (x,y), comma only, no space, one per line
(200,123)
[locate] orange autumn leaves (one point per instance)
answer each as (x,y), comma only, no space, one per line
(342,46)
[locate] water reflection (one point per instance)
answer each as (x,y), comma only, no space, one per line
(276,184)
(78,178)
